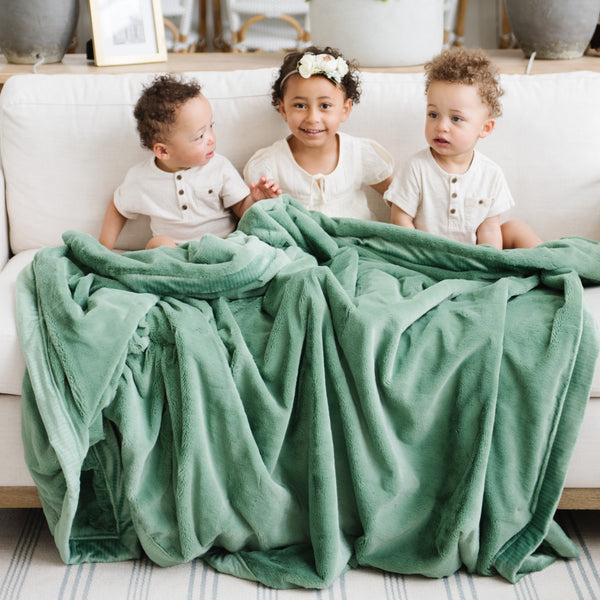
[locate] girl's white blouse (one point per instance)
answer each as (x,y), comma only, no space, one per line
(341,193)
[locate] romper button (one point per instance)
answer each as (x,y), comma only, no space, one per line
(181,192)
(454,194)
(481,202)
(210,191)
(179,177)
(184,207)
(454,180)
(452,211)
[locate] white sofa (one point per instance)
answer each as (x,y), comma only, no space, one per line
(67,140)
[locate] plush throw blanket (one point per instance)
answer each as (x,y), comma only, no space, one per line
(307,396)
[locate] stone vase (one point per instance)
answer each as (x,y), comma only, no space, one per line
(375,33)
(553,29)
(32,30)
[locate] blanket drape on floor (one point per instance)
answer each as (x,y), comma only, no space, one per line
(308,395)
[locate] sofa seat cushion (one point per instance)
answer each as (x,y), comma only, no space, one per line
(13,470)
(12,365)
(592,296)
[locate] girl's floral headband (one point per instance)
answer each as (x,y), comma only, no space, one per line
(320,64)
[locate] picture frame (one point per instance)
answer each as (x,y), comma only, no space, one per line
(126,32)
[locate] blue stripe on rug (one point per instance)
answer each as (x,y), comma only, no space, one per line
(585,561)
(139,583)
(394,589)
(22,555)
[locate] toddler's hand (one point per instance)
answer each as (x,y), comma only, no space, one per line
(265,188)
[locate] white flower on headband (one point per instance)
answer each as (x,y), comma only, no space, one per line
(322,64)
(308,66)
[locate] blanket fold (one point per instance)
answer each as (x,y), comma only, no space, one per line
(307,395)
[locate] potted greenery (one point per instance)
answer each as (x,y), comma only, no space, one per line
(379,33)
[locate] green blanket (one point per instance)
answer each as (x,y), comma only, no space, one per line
(307,396)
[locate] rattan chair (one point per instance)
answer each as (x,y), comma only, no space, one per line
(266,25)
(178,15)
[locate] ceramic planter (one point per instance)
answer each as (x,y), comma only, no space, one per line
(379,34)
(553,29)
(31,30)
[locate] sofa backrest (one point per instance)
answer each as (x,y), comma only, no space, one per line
(66,142)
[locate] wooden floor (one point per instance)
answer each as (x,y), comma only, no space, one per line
(508,61)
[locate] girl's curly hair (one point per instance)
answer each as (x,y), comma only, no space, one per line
(156,108)
(470,67)
(350,83)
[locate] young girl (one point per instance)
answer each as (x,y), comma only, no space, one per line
(317,165)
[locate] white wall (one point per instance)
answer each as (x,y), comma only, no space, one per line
(84,28)
(483,23)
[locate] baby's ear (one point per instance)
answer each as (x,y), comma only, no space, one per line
(487,128)
(160,151)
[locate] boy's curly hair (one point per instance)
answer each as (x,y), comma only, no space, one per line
(156,108)
(350,83)
(470,67)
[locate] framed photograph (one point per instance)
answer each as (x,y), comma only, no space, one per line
(126,32)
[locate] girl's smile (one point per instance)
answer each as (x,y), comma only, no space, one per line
(313,131)
(314,108)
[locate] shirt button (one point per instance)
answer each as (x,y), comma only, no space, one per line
(210,191)
(180,177)
(481,202)
(452,211)
(454,194)
(184,207)
(181,192)
(454,180)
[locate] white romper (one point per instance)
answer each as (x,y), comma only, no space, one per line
(186,204)
(453,206)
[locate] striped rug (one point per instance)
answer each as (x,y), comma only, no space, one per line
(30,569)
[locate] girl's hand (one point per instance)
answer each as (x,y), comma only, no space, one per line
(265,188)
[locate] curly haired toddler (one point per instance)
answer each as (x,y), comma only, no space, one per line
(451,189)
(185,188)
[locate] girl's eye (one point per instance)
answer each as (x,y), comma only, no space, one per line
(299,105)
(432,115)
(456,119)
(326,105)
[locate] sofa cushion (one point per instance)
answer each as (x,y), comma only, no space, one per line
(545,142)
(74,137)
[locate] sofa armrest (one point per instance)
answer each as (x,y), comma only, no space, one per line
(4,240)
